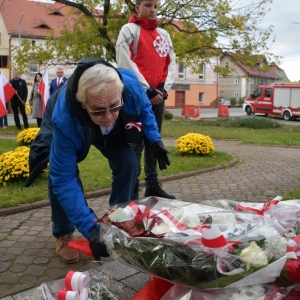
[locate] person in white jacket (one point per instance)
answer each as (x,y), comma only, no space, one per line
(148,51)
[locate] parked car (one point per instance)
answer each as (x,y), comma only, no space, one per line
(225,101)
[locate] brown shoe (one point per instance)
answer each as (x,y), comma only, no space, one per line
(66,254)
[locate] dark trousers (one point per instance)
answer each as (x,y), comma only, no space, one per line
(122,162)
(150,163)
(16,106)
(39,122)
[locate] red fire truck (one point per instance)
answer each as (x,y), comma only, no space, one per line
(278,99)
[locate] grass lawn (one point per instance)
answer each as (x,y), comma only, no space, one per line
(95,173)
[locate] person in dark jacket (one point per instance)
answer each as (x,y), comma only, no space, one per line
(58,82)
(100,106)
(18,101)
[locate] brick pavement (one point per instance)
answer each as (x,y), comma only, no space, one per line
(27,256)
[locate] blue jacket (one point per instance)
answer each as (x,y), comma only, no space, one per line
(74,133)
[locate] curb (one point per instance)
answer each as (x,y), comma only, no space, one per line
(104,192)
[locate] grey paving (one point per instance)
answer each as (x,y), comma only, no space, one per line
(27,257)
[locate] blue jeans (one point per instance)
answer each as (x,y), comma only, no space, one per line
(3,121)
(123,163)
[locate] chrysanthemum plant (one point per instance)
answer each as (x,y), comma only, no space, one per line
(195,143)
(14,165)
(25,137)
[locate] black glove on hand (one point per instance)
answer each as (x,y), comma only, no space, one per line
(98,247)
(161,154)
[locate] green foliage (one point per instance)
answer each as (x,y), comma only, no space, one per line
(252,123)
(216,26)
(222,128)
(233,101)
(240,102)
(168,115)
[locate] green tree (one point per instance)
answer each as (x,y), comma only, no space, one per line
(200,29)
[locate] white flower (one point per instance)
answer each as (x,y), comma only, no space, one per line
(119,215)
(249,293)
(161,228)
(254,256)
(275,247)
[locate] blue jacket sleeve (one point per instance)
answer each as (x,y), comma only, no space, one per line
(66,147)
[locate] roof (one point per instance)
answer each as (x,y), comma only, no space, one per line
(255,72)
(38,19)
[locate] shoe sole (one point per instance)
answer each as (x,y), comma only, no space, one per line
(70,261)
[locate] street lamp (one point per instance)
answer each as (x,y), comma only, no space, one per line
(19,29)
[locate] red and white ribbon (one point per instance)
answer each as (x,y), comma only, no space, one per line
(291,249)
(212,237)
(131,125)
(259,208)
(76,287)
(133,209)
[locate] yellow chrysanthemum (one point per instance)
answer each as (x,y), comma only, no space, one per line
(26,136)
(14,165)
(195,143)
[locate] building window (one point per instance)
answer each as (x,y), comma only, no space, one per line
(236,80)
(236,95)
(226,65)
(252,80)
(201,98)
(33,43)
(3,61)
(33,67)
(181,71)
(201,73)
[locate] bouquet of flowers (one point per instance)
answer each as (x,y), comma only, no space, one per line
(196,245)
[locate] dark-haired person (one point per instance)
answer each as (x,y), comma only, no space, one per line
(100,106)
(36,101)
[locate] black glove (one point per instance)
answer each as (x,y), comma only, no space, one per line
(98,247)
(165,95)
(161,154)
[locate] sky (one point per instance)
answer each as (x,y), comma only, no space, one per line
(287,35)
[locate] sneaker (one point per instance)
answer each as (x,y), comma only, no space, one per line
(156,190)
(63,252)
(19,128)
(135,193)
(4,127)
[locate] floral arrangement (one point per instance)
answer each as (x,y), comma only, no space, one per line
(26,136)
(252,292)
(199,245)
(195,143)
(14,165)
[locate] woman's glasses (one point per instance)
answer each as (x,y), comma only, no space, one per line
(103,111)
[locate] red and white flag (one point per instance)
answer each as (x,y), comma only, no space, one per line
(44,89)
(6,92)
